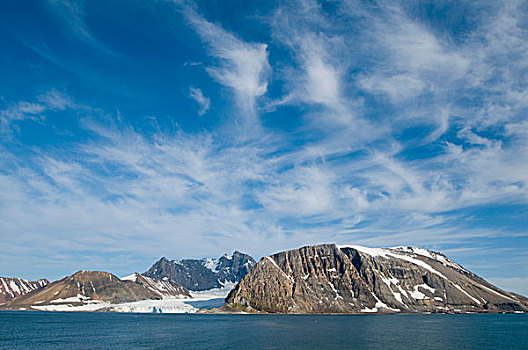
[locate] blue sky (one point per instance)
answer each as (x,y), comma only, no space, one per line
(132,130)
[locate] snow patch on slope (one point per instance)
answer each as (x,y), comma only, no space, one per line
(429,254)
(466,293)
(93,306)
(388,253)
(132,277)
(79,298)
(13,286)
(211,264)
(370,251)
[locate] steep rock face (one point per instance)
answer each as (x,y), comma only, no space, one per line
(354,279)
(12,287)
(92,287)
(203,274)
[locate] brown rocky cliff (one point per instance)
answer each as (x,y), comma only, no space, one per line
(331,279)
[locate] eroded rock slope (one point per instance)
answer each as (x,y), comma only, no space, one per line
(353,279)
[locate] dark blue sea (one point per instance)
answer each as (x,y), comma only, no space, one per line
(48,330)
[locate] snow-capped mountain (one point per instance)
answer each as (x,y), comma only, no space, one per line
(12,287)
(94,291)
(203,274)
(354,279)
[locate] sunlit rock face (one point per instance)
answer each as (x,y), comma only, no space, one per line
(354,279)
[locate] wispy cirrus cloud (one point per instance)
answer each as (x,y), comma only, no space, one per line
(242,66)
(24,110)
(204,102)
(72,14)
(316,77)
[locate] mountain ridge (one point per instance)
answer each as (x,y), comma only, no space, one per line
(325,278)
(329,278)
(92,289)
(203,274)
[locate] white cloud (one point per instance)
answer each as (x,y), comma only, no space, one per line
(303,191)
(323,82)
(411,61)
(321,58)
(204,102)
(242,66)
(72,14)
(398,87)
(191,195)
(23,110)
(56,100)
(18,112)
(414,49)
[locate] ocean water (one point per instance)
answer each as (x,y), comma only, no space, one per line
(48,330)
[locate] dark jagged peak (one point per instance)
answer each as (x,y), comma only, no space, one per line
(355,279)
(232,268)
(203,274)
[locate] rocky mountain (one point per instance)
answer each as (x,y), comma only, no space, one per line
(203,274)
(12,287)
(163,288)
(353,279)
(90,290)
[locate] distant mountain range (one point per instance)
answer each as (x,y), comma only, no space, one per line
(102,291)
(203,274)
(93,290)
(314,279)
(354,279)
